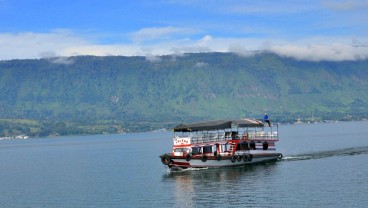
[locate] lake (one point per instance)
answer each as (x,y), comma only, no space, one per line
(324,165)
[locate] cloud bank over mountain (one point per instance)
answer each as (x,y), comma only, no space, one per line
(62,43)
(310,30)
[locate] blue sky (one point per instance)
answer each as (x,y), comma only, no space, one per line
(307,30)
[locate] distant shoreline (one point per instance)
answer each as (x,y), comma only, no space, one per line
(107,129)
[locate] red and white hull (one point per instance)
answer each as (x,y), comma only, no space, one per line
(223,161)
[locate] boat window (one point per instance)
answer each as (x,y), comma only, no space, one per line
(196,150)
(234,135)
(180,150)
(207,149)
(214,149)
(252,145)
(244,146)
(225,147)
(265,146)
(227,135)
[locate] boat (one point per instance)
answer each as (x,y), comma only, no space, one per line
(222,143)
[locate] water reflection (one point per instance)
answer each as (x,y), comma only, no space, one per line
(221,186)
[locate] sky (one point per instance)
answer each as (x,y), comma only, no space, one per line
(314,30)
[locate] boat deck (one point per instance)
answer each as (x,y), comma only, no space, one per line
(218,137)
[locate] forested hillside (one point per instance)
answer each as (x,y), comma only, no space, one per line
(137,93)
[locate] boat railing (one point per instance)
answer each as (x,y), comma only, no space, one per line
(263,135)
(217,137)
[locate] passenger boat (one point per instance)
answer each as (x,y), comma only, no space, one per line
(222,143)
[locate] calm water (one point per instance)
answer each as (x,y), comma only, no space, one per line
(324,165)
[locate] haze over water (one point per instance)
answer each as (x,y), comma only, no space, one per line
(324,165)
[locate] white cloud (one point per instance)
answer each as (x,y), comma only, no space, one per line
(153,58)
(36,45)
(65,43)
(62,60)
(345,5)
(160,33)
(201,64)
(329,50)
(267,7)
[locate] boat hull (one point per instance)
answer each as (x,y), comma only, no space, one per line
(215,162)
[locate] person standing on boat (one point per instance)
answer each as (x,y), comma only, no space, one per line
(266,119)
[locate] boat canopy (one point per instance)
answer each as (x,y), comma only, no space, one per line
(218,124)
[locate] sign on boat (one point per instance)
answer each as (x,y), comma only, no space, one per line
(222,143)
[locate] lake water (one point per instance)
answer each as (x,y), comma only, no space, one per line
(324,165)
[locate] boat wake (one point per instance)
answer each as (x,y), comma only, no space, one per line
(330,153)
(178,169)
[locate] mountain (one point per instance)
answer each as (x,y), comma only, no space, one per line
(142,93)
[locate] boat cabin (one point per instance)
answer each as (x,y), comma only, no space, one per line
(223,138)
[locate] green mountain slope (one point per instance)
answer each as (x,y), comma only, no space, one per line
(137,92)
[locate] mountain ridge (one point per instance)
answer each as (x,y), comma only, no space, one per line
(145,93)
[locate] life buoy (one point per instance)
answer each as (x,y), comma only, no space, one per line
(233,159)
(204,158)
(166,159)
(245,158)
(280,156)
(218,157)
(250,158)
(187,158)
(239,158)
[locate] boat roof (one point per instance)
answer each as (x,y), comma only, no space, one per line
(218,124)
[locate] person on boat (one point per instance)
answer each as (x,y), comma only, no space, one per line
(266,119)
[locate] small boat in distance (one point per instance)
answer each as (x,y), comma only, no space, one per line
(222,143)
